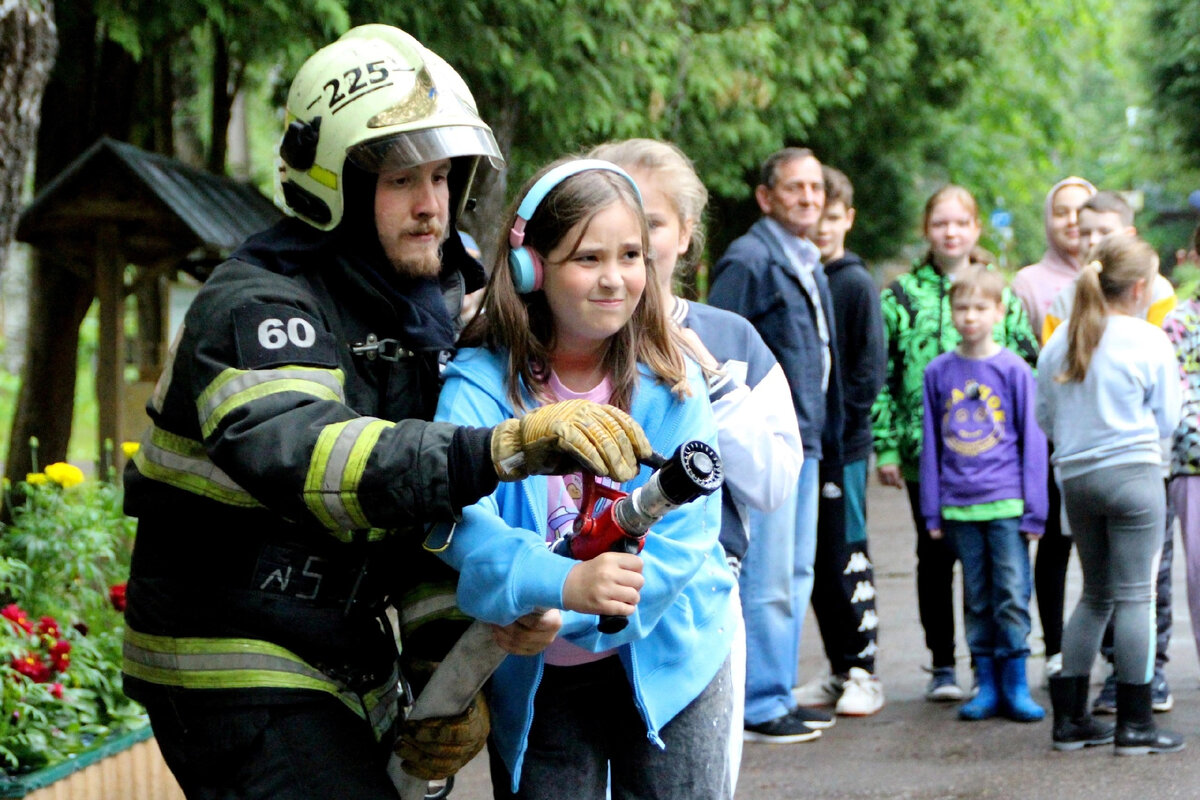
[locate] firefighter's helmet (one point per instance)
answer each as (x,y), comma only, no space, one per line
(379,98)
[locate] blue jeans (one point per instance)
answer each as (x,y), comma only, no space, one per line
(996,585)
(776,584)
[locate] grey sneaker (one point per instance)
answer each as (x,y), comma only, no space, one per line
(787,729)
(1160,693)
(1106,701)
(942,686)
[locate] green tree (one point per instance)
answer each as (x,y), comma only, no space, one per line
(1174,65)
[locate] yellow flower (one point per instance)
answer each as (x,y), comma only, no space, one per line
(65,475)
(130,448)
(35,478)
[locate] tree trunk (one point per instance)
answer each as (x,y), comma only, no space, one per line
(90,94)
(58,301)
(27,43)
(221,102)
(491,187)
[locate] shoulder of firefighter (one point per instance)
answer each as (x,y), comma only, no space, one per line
(281,488)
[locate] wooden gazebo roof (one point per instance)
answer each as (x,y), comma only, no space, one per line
(117,205)
(164,211)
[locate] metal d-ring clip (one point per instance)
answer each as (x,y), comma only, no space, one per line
(443,792)
(386,349)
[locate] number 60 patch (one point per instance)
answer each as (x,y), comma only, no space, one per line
(270,335)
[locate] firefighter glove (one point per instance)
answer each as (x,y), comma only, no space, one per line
(438,747)
(563,437)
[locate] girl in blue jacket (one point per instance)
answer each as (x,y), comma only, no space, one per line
(574,310)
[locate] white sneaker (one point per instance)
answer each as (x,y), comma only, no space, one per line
(862,694)
(821,691)
(1052,668)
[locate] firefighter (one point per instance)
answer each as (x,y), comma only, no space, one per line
(291,467)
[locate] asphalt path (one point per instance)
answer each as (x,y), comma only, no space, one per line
(918,750)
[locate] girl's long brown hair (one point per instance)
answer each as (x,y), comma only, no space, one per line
(1118,262)
(522,325)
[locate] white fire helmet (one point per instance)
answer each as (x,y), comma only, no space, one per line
(378,97)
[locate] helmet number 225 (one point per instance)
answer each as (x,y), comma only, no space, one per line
(376,72)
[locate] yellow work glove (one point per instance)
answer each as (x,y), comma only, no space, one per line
(563,437)
(438,747)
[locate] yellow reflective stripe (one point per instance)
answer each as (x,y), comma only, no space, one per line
(383,704)
(183,463)
(235,663)
(207,646)
(203,663)
(323,176)
(336,469)
(234,388)
(225,678)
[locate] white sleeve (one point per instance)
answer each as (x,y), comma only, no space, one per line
(759,441)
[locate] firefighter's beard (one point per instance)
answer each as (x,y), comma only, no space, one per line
(415,259)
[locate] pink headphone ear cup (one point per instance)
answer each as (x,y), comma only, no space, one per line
(538,271)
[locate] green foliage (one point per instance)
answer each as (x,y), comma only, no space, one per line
(1003,98)
(60,635)
(1174,65)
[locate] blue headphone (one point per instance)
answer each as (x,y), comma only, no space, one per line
(525,264)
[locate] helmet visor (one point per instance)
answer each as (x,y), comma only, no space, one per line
(410,148)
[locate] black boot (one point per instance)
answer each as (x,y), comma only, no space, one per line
(1137,734)
(1074,727)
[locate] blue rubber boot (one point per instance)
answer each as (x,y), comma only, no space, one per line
(1015,702)
(986,701)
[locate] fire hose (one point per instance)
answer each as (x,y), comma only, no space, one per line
(692,471)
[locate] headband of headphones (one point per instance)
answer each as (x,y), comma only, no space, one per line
(525,264)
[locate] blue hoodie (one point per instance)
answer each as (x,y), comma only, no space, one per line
(680,634)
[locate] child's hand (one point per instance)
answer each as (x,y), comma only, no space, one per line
(610,584)
(889,475)
(1030,536)
(935,533)
(530,634)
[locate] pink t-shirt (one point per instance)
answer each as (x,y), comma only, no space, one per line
(564,492)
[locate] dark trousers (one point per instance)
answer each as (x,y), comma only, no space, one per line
(843,596)
(935,585)
(1050,571)
(310,750)
(588,740)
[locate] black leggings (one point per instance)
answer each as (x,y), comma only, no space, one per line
(935,585)
(1050,571)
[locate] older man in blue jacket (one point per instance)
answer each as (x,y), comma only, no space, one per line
(772,276)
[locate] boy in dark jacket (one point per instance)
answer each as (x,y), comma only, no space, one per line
(772,276)
(843,579)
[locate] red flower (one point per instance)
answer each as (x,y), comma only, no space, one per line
(56,690)
(48,626)
(116,595)
(59,658)
(32,667)
(19,619)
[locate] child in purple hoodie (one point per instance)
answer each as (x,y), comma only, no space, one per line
(983,483)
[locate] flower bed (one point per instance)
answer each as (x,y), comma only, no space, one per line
(126,765)
(64,558)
